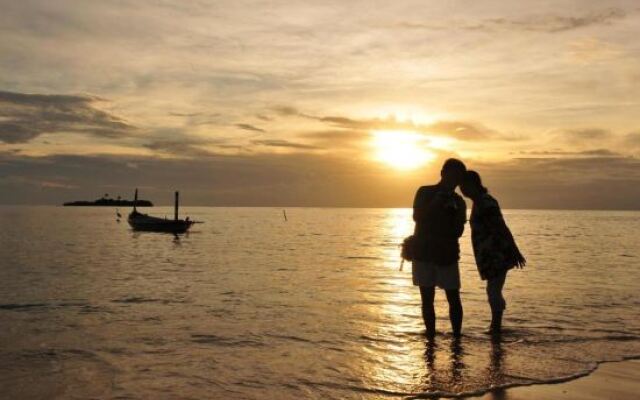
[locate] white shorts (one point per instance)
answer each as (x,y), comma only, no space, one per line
(430,274)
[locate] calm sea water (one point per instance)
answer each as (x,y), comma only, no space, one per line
(249,306)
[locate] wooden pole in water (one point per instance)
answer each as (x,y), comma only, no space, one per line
(176,206)
(284,212)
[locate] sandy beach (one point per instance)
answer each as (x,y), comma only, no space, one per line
(615,380)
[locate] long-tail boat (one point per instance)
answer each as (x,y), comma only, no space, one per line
(144,222)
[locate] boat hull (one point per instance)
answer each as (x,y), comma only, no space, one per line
(143,222)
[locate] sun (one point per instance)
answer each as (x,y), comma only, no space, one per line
(403,150)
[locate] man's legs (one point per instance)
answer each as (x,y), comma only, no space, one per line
(496,301)
(428,312)
(455,311)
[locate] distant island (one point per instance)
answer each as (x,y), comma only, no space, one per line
(106,201)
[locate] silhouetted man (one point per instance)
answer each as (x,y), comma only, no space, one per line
(440,214)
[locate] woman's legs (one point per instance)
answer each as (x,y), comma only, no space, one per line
(455,311)
(427,293)
(496,300)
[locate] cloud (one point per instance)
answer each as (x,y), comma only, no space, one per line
(339,136)
(533,23)
(564,183)
(345,122)
(284,143)
(264,117)
(26,116)
(248,127)
(240,180)
(309,179)
(314,180)
(286,111)
(586,134)
(182,147)
(189,115)
(632,139)
(601,153)
(589,50)
(178,144)
(461,130)
(592,153)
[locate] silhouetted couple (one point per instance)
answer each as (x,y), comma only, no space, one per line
(440,215)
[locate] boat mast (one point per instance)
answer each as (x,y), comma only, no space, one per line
(176,206)
(135,200)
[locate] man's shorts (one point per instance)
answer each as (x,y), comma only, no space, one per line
(430,274)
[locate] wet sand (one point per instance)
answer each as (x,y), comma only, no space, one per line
(615,381)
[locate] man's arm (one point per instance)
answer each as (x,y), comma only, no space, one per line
(460,218)
(418,205)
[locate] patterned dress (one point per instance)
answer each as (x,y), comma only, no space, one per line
(494,249)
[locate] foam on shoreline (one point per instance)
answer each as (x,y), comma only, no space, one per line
(579,389)
(608,380)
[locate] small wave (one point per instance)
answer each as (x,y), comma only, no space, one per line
(24,307)
(58,354)
(293,338)
(379,339)
(225,341)
(289,337)
(140,299)
(19,307)
(362,258)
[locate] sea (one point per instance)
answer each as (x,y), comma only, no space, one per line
(249,305)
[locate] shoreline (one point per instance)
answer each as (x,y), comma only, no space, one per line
(618,380)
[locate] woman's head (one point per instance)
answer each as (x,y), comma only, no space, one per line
(471,185)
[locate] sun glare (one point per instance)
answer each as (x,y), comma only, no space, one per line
(402,150)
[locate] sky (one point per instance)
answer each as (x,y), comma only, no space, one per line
(319,103)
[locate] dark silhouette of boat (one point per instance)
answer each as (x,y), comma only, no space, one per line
(144,222)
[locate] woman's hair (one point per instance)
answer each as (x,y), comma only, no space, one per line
(472,178)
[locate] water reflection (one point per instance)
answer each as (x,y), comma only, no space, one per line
(394,342)
(496,359)
(457,363)
(175,237)
(403,360)
(398,225)
(495,373)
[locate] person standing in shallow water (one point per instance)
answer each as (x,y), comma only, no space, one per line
(494,248)
(440,214)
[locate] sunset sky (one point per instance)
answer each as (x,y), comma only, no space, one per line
(319,103)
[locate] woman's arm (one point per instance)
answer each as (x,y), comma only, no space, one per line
(497,224)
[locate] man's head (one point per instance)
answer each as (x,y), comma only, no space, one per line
(452,173)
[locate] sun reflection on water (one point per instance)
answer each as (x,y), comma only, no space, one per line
(400,359)
(395,363)
(398,225)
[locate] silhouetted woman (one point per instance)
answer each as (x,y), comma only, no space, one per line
(494,248)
